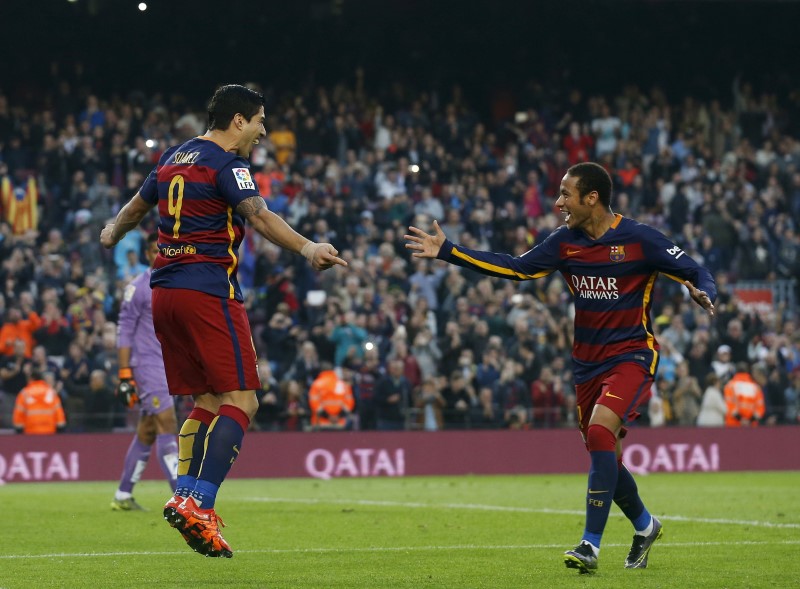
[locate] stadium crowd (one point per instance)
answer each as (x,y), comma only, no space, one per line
(393,342)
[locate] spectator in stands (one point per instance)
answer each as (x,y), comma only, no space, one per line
(296,406)
(20,324)
(366,377)
(280,338)
(349,337)
(75,373)
(513,394)
(270,400)
(55,332)
(400,351)
(712,406)
(100,407)
(44,365)
(13,369)
(460,397)
(792,399)
(306,367)
(487,414)
(678,335)
(426,353)
(393,397)
(547,399)
(686,396)
(429,404)
(722,365)
(736,339)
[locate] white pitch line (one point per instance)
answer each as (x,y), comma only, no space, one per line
(388,549)
(506,508)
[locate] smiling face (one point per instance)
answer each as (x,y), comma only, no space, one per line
(250,132)
(577,209)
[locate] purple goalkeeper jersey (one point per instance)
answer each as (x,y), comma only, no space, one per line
(136,332)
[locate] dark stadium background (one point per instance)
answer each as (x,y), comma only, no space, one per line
(488,47)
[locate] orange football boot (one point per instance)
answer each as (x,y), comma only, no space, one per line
(177,522)
(201,525)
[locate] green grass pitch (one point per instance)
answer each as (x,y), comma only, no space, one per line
(731,530)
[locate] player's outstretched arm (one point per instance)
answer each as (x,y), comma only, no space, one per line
(128,217)
(425,245)
(700,297)
(321,256)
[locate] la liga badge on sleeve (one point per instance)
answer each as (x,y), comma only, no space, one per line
(243,179)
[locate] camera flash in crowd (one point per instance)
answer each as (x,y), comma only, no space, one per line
(368,346)
(142,6)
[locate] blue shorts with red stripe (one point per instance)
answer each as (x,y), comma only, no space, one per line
(622,388)
(206,342)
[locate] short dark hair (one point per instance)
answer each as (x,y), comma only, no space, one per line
(229,100)
(152,238)
(592,177)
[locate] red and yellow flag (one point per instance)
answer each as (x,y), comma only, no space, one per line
(7,199)
(20,208)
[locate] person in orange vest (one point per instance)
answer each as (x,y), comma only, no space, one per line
(16,327)
(38,409)
(331,399)
(744,399)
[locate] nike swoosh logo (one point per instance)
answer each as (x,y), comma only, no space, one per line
(573,252)
(613,396)
(594,492)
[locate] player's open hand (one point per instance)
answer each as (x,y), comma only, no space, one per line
(323,256)
(425,245)
(700,297)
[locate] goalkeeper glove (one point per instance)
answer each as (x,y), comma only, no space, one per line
(126,390)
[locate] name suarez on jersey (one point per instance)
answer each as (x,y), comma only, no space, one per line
(182,157)
(595,287)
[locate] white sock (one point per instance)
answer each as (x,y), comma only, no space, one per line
(594,548)
(121,496)
(648,530)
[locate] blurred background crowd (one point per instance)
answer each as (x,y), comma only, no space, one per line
(391,342)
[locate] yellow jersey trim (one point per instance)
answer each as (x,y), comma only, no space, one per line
(651,340)
(234,259)
(497,269)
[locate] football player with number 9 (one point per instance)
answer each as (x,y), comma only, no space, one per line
(205,192)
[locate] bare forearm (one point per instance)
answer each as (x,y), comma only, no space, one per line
(129,217)
(321,256)
(278,231)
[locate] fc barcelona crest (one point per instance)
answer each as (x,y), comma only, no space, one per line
(617,253)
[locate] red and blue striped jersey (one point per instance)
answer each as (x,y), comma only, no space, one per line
(611,280)
(197,187)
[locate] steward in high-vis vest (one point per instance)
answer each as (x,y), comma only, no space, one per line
(38,409)
(744,399)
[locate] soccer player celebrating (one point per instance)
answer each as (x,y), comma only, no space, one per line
(205,192)
(610,264)
(142,380)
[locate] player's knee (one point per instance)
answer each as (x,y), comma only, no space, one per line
(600,439)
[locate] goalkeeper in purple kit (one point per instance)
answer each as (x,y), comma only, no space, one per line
(610,264)
(143,382)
